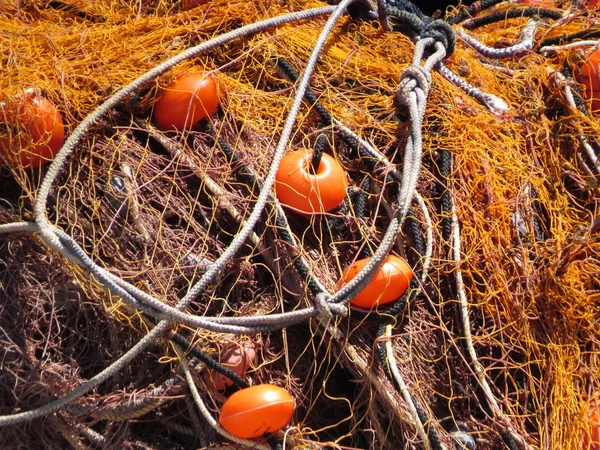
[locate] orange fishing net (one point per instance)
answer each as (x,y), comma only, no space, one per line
(155,208)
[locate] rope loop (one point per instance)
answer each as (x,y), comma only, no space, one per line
(442,32)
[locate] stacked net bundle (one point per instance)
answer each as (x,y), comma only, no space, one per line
(495,343)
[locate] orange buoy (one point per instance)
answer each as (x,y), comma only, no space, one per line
(186,101)
(589,76)
(31,130)
(299,188)
(389,283)
(591,439)
(238,359)
(257,410)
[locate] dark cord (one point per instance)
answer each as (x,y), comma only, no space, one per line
(473,9)
(512,14)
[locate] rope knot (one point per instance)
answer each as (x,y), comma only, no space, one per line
(412,77)
(442,32)
(327,309)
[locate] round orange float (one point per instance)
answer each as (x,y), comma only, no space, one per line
(306,191)
(238,359)
(186,101)
(589,76)
(31,130)
(257,410)
(389,283)
(591,439)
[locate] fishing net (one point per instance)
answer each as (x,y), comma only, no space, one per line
(496,344)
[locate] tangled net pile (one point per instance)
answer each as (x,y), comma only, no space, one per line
(494,345)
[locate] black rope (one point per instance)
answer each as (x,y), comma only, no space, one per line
(246,175)
(508,440)
(442,32)
(404,21)
(320,144)
(512,14)
(299,264)
(408,6)
(360,200)
(416,234)
(445,167)
(473,9)
(208,361)
(578,95)
(566,38)
(291,74)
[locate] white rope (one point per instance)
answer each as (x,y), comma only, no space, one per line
(428,235)
(404,389)
(557,48)
(466,324)
(526,44)
(493,103)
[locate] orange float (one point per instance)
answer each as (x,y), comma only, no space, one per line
(389,283)
(310,192)
(591,439)
(186,101)
(31,130)
(238,359)
(257,410)
(589,76)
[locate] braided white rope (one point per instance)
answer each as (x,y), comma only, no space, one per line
(428,235)
(572,45)
(495,104)
(525,45)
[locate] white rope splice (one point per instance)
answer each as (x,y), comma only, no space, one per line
(526,44)
(493,103)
